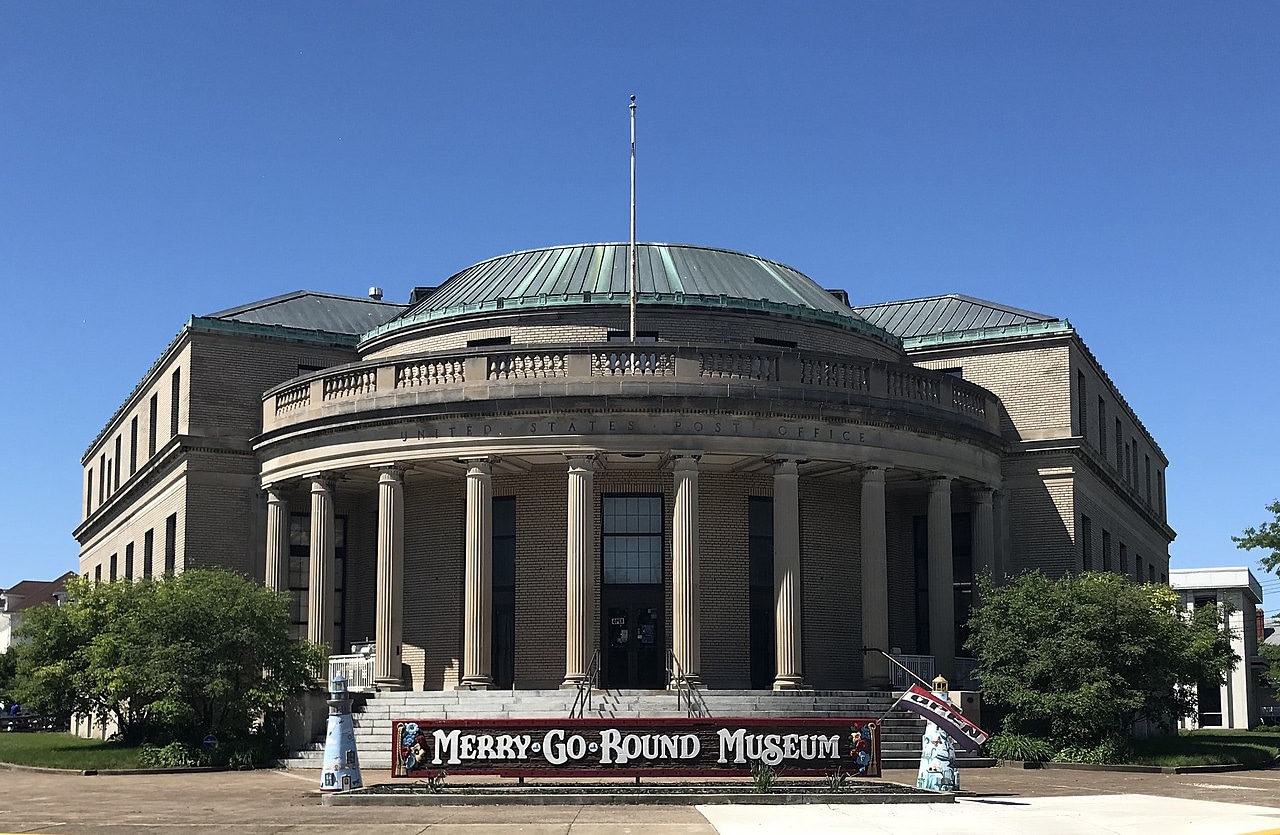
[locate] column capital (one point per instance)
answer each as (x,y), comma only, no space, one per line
(325,481)
(275,490)
(872,473)
(395,468)
(685,460)
(582,461)
(786,465)
(939,481)
(478,466)
(982,493)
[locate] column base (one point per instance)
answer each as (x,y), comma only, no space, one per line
(877,684)
(692,681)
(475,683)
(388,684)
(574,683)
(790,683)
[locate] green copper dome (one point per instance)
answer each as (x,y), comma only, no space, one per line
(666,274)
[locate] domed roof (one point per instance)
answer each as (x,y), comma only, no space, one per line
(666,274)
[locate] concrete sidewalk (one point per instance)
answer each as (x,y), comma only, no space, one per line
(1006,801)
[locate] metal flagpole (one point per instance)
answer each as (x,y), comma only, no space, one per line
(631,249)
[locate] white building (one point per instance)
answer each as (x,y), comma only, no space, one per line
(1235,704)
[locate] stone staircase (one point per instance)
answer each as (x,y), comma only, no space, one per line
(899,732)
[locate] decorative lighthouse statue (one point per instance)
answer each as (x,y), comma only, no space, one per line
(341,765)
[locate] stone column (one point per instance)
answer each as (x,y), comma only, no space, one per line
(786,575)
(686,624)
(875,579)
(389,629)
(320,591)
(942,631)
(277,574)
(984,538)
(578,570)
(477,637)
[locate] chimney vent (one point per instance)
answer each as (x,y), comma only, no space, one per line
(375,293)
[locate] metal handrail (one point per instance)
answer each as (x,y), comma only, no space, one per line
(695,705)
(582,701)
(899,665)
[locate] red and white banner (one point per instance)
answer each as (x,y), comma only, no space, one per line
(942,713)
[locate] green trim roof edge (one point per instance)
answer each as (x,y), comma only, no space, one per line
(982,334)
(720,302)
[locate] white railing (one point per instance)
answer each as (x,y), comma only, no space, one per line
(357,669)
(920,665)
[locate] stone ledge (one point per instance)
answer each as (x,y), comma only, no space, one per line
(1132,769)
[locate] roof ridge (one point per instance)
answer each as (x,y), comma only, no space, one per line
(296,294)
(994,305)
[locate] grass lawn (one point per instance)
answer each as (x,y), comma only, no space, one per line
(1209,747)
(65,751)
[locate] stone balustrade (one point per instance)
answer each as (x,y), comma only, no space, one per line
(804,374)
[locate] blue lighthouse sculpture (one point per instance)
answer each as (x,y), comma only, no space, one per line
(341,765)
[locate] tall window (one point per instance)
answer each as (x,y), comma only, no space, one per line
(88,494)
(1124,559)
(102,482)
(760,590)
(961,576)
(503,662)
(133,445)
(171,544)
(1208,693)
(1102,427)
(1082,405)
(97,573)
(1151,573)
(300,573)
(148,550)
(632,546)
(1133,468)
(128,561)
(1119,443)
(116,484)
(1160,492)
(1086,542)
(1128,464)
(175,399)
(114,558)
(152,410)
(1147,463)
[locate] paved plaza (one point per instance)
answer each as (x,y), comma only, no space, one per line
(1002,801)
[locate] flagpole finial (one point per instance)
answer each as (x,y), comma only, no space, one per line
(633,101)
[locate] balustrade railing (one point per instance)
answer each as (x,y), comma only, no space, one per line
(910,669)
(301,399)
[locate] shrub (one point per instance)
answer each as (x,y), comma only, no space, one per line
(1106,752)
(1010,746)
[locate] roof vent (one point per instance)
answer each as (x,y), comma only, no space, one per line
(375,293)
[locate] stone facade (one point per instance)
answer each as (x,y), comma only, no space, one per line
(771,487)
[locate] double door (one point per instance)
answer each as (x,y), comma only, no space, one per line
(634,644)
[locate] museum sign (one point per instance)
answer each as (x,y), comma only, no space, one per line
(718,747)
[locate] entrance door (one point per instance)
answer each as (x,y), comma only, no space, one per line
(633,640)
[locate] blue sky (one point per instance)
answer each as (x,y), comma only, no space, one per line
(1112,163)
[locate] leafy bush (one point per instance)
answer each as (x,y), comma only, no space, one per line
(173,755)
(1107,752)
(1010,746)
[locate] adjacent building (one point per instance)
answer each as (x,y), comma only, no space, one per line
(495,486)
(22,597)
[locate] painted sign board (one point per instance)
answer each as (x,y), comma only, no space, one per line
(659,747)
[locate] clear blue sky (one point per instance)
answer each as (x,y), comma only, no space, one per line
(1117,164)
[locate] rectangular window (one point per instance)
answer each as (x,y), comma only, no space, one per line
(1082,405)
(625,336)
(107,478)
(1133,467)
(1124,559)
(1086,542)
(1106,550)
(102,482)
(309,369)
(956,372)
(171,544)
(128,561)
(97,573)
(1151,573)
(133,445)
(116,483)
(760,590)
(148,551)
(1128,464)
(88,494)
(488,341)
(773,343)
(503,646)
(1102,427)
(1147,463)
(114,559)
(300,573)
(1160,492)
(1119,441)
(152,410)
(175,400)
(631,528)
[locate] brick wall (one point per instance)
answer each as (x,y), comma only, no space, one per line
(433,544)
(831,573)
(1042,516)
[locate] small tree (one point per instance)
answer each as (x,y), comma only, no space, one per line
(8,672)
(1265,536)
(174,658)
(1077,661)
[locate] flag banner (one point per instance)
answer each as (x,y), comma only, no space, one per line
(942,713)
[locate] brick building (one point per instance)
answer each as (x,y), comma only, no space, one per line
(492,483)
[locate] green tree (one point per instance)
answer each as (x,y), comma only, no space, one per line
(1265,536)
(173,658)
(8,672)
(1077,661)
